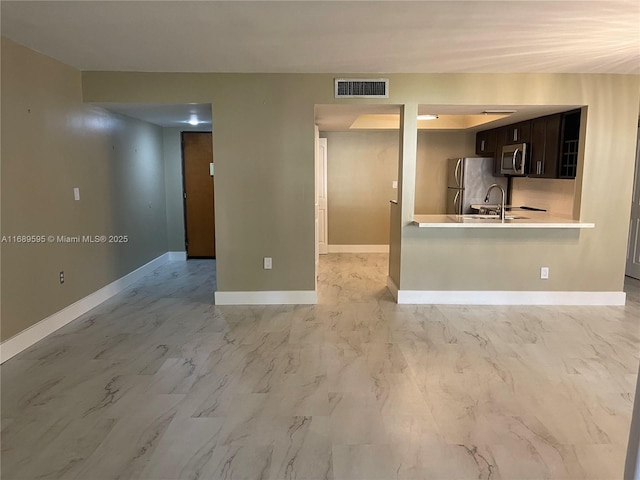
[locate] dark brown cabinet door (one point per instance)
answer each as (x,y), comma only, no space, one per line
(552,146)
(197,155)
(486,143)
(545,145)
(537,150)
(519,133)
(501,141)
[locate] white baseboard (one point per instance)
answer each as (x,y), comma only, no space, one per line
(288,297)
(448,297)
(47,326)
(177,256)
(358,248)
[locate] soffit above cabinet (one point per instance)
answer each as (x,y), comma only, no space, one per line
(350,117)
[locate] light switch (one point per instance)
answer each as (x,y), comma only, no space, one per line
(211,169)
(76,193)
(394,184)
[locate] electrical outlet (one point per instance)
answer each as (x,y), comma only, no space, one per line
(61,277)
(267,263)
(544,273)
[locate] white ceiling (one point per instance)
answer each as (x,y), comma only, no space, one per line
(332,36)
(165,115)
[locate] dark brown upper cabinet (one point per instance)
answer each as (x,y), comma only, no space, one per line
(545,146)
(501,141)
(486,143)
(569,140)
(519,133)
(552,143)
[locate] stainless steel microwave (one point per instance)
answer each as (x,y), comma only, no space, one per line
(514,159)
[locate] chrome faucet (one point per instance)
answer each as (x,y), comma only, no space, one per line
(486,198)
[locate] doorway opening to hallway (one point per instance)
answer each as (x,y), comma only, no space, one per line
(357,152)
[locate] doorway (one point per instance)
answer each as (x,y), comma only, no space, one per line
(356,177)
(198,194)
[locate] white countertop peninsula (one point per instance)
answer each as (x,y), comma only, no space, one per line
(527,220)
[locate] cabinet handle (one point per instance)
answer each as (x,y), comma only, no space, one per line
(539,168)
(515,134)
(482,146)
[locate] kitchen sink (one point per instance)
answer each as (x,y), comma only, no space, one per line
(481,217)
(493,217)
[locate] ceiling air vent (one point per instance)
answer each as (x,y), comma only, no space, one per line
(362,88)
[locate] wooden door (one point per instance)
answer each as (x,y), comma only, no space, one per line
(199,217)
(633,248)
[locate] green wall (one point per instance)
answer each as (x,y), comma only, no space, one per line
(51,143)
(172,151)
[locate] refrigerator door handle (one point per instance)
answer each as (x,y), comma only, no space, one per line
(455,203)
(457,172)
(515,153)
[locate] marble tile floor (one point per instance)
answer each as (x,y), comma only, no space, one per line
(160,384)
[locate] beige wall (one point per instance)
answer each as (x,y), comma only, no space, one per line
(51,143)
(395,242)
(434,149)
(361,167)
(264,185)
(554,195)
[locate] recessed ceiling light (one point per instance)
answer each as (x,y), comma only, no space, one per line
(427,117)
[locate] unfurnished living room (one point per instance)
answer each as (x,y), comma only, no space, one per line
(341,240)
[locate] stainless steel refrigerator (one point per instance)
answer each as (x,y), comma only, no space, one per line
(468,182)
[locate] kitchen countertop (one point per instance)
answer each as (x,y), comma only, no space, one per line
(532,220)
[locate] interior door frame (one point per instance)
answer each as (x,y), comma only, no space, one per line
(318,169)
(184,194)
(632,269)
(324,159)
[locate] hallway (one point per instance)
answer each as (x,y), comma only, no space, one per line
(159,383)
